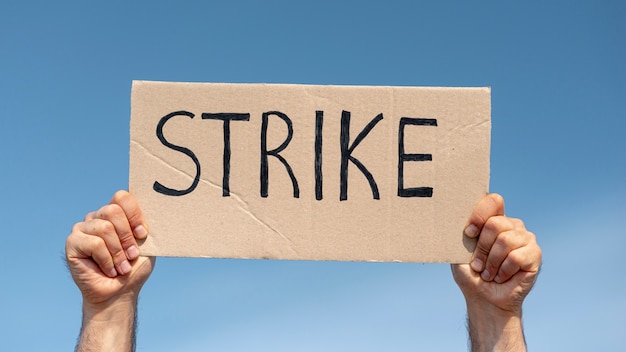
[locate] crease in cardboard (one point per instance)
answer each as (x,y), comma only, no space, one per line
(165,163)
(315,97)
(242,205)
(472,125)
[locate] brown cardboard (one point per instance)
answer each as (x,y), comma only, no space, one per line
(231,219)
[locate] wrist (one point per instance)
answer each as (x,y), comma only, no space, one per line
(494,329)
(117,309)
(108,326)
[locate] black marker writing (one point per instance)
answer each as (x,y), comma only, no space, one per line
(346,154)
(226,117)
(319,122)
(159,132)
(403,157)
(275,153)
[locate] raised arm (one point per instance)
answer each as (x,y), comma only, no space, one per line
(500,275)
(103,258)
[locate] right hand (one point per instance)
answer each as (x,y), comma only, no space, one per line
(103,256)
(506,260)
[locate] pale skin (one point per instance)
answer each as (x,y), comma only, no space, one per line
(103,258)
(501,273)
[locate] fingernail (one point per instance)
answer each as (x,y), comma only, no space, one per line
(132,253)
(486,276)
(140,231)
(471,231)
(477,265)
(497,279)
(112,272)
(125,267)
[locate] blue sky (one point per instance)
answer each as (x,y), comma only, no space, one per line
(558,76)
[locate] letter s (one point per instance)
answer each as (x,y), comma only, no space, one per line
(159,132)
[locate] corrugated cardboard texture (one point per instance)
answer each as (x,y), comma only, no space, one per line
(184,136)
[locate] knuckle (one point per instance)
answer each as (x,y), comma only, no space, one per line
(497,200)
(119,197)
(493,224)
(70,241)
(135,217)
(111,211)
(503,241)
(126,239)
(503,224)
(481,250)
(106,262)
(98,245)
(527,238)
(479,219)
(517,223)
(119,254)
(101,227)
(515,258)
(76,228)
(507,269)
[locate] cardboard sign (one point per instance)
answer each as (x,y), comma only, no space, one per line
(309,172)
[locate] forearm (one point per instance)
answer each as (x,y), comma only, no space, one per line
(109,328)
(491,329)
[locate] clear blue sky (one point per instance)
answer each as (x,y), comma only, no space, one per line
(558,75)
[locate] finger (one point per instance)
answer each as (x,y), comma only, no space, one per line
(505,243)
(510,266)
(90,216)
(136,222)
(106,231)
(82,246)
(133,213)
(490,231)
(463,274)
(114,214)
(524,259)
(491,205)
